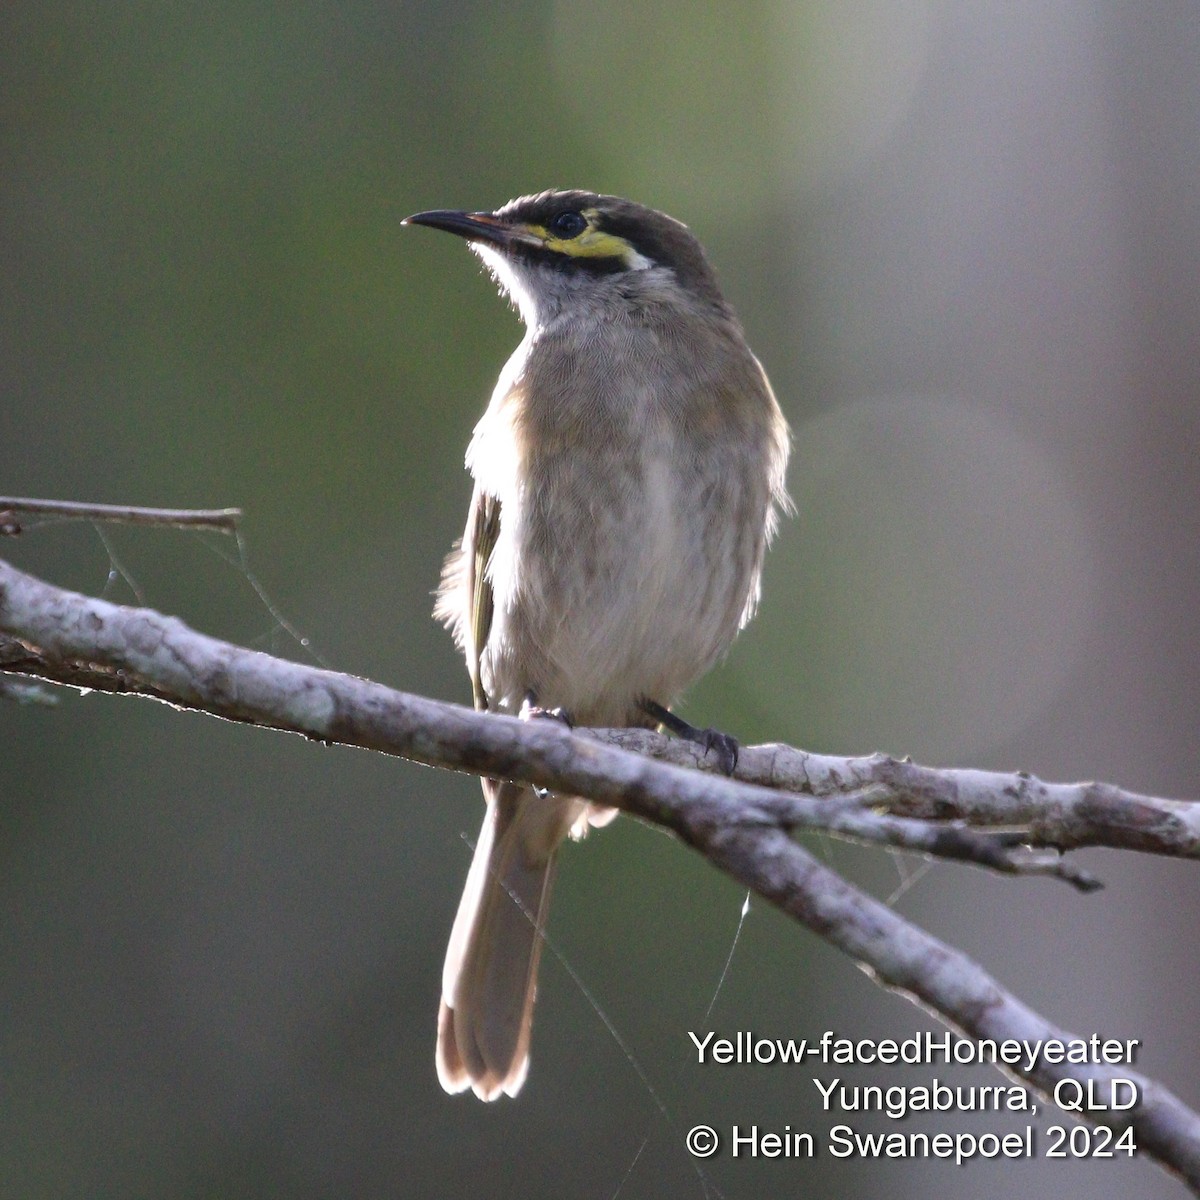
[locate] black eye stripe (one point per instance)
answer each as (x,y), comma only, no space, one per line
(570,264)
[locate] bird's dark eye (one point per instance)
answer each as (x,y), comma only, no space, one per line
(568,224)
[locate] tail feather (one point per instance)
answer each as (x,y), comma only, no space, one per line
(490,978)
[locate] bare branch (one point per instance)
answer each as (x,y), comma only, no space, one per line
(1060,816)
(222,520)
(742,827)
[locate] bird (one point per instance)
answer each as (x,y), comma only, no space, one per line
(628,477)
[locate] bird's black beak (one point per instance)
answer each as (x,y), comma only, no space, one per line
(474,226)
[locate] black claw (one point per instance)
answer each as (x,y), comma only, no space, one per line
(725,746)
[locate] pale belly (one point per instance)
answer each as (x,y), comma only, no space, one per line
(633,597)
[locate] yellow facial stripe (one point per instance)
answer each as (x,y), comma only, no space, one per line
(591,243)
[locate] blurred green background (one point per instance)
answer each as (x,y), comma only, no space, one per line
(964,241)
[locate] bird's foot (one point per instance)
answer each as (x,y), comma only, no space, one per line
(531,710)
(722,744)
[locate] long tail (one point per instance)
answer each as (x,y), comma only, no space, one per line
(490,977)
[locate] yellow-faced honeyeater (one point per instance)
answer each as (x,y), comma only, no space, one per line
(628,475)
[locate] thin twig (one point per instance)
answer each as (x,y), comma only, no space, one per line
(222,520)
